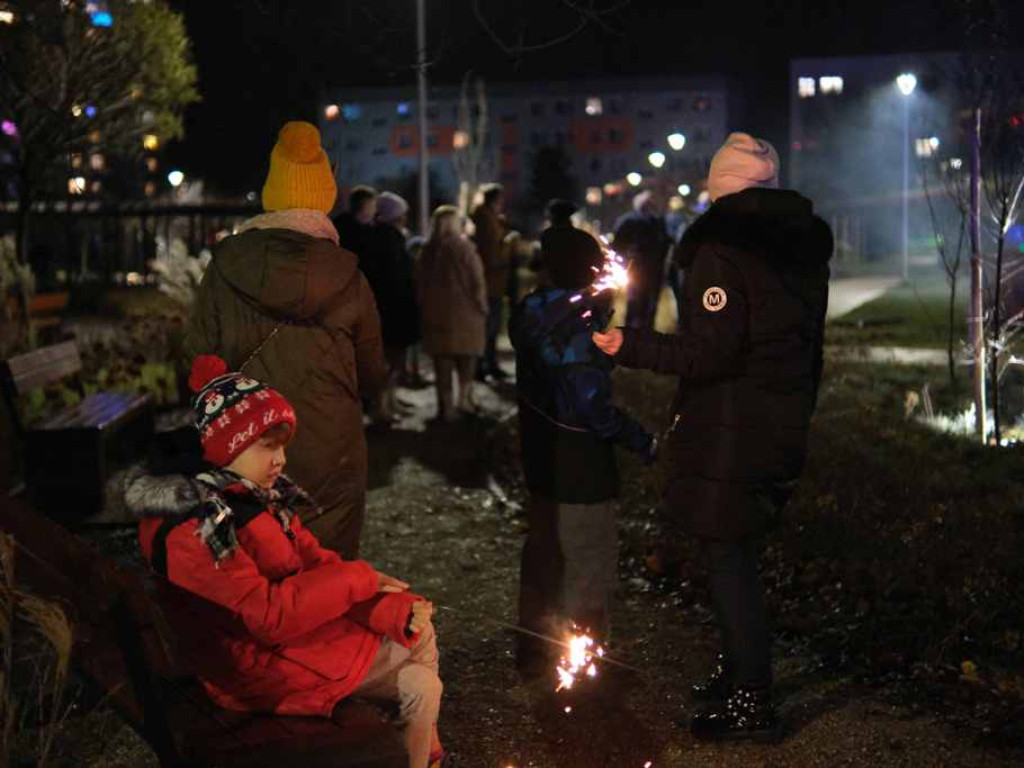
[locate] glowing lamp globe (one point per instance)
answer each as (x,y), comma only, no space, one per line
(906,82)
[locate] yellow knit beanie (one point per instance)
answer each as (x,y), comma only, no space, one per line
(300,174)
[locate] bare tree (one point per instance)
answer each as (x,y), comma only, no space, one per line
(950,241)
(473,158)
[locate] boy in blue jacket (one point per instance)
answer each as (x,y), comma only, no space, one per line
(569,430)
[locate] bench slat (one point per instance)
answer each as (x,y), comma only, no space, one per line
(96,411)
(35,369)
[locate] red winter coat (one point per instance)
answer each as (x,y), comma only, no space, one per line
(302,626)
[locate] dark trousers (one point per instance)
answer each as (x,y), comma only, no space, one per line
(737,598)
(569,567)
(494,308)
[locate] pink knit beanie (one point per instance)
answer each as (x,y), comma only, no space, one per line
(741,163)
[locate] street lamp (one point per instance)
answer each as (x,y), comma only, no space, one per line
(657,159)
(634,179)
(677,141)
(175,178)
(906,83)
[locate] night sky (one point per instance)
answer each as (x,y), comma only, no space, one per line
(263,62)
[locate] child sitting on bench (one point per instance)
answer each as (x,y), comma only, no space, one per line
(307,629)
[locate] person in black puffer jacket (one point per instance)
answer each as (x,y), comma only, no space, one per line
(749,358)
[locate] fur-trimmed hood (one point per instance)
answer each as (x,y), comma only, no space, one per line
(780,224)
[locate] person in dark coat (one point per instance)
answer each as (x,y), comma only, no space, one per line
(569,432)
(389,270)
(355,226)
(641,238)
(491,229)
(558,214)
(749,358)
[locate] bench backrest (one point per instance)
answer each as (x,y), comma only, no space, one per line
(41,367)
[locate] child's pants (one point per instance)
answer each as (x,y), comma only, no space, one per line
(569,566)
(409,677)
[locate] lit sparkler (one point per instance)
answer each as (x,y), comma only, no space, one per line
(581,660)
(614,273)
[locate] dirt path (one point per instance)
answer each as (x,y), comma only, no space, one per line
(436,519)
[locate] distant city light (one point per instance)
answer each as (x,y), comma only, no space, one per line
(684,190)
(906,82)
(97,162)
(90,111)
(76,111)
(594,106)
(806,87)
(956,163)
(152,164)
(704,197)
(102,19)
(150,189)
(150,142)
(6,17)
(594,196)
(934,141)
(76,186)
(611,189)
(175,178)
(657,159)
(351,112)
(634,179)
(331,112)
(9,128)
(677,141)
(460,140)
(831,84)
(676,203)
(403,108)
(76,161)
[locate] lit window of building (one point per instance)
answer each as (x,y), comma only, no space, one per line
(76,111)
(351,112)
(460,140)
(150,189)
(76,186)
(403,109)
(150,142)
(594,196)
(594,106)
(76,161)
(831,85)
(152,164)
(611,189)
(97,162)
(95,187)
(806,87)
(6,16)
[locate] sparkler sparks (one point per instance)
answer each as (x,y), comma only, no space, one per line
(583,651)
(614,273)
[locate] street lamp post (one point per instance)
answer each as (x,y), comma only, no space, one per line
(906,84)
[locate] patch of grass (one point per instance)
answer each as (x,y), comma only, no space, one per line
(913,314)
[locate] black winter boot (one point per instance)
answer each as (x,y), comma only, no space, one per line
(747,714)
(716,687)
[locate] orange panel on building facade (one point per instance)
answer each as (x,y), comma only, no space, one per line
(602,135)
(405,140)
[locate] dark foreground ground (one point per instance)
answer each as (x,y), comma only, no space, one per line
(883,582)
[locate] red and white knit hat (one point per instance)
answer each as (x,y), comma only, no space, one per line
(232,410)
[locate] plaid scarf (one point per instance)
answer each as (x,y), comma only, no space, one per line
(217,520)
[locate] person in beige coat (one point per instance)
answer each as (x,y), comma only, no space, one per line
(453,297)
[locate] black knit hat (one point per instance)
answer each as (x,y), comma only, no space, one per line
(571,256)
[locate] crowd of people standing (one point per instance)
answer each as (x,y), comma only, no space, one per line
(303,322)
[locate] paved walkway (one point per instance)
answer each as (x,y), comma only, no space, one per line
(849,293)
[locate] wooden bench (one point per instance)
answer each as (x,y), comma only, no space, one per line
(124,647)
(44,314)
(70,455)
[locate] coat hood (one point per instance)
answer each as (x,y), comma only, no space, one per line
(287,263)
(777,223)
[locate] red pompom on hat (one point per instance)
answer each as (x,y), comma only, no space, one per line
(205,369)
(232,410)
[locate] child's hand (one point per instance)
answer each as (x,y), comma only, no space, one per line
(610,343)
(390,583)
(422,610)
